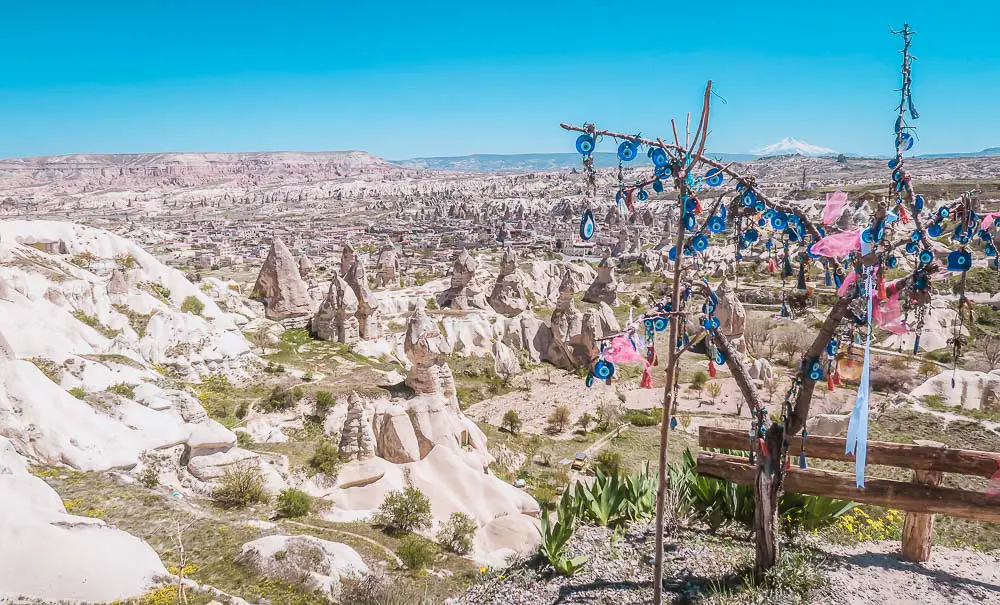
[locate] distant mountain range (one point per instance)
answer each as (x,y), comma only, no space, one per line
(986,153)
(523,162)
(528,162)
(792,146)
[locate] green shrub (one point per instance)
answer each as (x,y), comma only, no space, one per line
(324,401)
(192,305)
(293,503)
(608,462)
(124,389)
(325,459)
(244,439)
(217,383)
(415,552)
(149,478)
(240,486)
(643,417)
(281,399)
(78,392)
(511,422)
(456,534)
(308,376)
(243,409)
(698,381)
(404,510)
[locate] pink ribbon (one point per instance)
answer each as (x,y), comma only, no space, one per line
(835,203)
(847,283)
(988,220)
(887,315)
(838,245)
(621,350)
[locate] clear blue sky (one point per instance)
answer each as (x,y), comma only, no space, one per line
(401,81)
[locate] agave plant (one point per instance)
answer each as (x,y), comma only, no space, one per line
(555,534)
(640,495)
(604,502)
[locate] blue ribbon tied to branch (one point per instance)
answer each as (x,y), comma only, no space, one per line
(857,429)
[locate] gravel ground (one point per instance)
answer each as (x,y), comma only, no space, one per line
(703,568)
(873,574)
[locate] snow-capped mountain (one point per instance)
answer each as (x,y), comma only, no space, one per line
(790,146)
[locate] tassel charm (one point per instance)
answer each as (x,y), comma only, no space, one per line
(827,279)
(673,422)
(711,368)
(916,343)
(829,382)
(763,448)
(770,266)
(802,460)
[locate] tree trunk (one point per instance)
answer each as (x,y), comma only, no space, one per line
(767,490)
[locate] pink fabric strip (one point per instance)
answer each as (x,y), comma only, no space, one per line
(838,245)
(848,282)
(835,203)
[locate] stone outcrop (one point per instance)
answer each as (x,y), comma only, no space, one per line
(605,286)
(307,270)
(387,267)
(368,314)
(118,284)
(336,318)
(566,323)
(357,439)
(732,316)
(507,297)
(348,256)
(761,369)
(316,564)
(463,293)
(426,349)
(279,284)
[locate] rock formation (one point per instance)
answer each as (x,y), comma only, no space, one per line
(336,318)
(279,284)
(507,297)
(307,270)
(118,284)
(464,293)
(348,256)
(357,439)
(368,314)
(566,323)
(316,564)
(605,286)
(732,316)
(387,267)
(426,349)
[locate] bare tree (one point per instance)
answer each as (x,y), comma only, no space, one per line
(758,332)
(991,350)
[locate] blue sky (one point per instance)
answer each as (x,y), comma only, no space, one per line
(449,78)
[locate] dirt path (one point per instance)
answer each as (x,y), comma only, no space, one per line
(391,555)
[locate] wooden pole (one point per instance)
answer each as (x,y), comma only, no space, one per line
(918,528)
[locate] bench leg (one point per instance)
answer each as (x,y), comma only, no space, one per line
(918,528)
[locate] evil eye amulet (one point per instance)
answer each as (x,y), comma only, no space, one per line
(626,151)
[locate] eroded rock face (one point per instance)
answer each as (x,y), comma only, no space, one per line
(761,370)
(307,270)
(605,286)
(357,439)
(118,284)
(464,292)
(304,560)
(426,348)
(368,314)
(566,323)
(336,318)
(348,256)
(387,267)
(732,316)
(507,297)
(279,284)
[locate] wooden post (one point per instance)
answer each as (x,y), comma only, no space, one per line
(918,529)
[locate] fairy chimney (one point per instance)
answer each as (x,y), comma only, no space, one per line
(387,267)
(348,256)
(368,312)
(279,284)
(336,318)
(426,349)
(507,297)
(463,293)
(604,288)
(357,439)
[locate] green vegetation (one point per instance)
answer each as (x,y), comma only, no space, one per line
(457,533)
(608,462)
(404,510)
(50,368)
(78,392)
(416,552)
(325,459)
(324,402)
(240,486)
(511,422)
(160,292)
(149,478)
(124,389)
(558,419)
(281,399)
(649,417)
(96,324)
(555,534)
(137,321)
(476,379)
(293,503)
(192,305)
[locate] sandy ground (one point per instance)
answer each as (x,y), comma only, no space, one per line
(548,388)
(873,574)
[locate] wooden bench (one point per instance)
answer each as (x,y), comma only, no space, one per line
(921,498)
